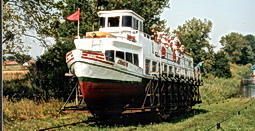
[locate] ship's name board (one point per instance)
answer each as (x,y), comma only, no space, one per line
(123,63)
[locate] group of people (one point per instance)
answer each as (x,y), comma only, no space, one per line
(174,43)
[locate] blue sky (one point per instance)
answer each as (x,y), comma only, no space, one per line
(226,15)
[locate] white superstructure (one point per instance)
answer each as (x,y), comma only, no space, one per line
(122,47)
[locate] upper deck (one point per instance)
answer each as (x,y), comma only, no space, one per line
(121,34)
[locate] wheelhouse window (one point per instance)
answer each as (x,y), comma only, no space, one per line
(127,21)
(102,22)
(129,57)
(141,26)
(109,55)
(147,66)
(113,21)
(135,24)
(136,59)
(120,54)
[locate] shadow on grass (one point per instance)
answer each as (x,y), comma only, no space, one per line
(137,119)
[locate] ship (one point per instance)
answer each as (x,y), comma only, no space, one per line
(120,68)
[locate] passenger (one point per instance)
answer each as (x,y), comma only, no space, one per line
(176,45)
(198,68)
(182,51)
(177,41)
(153,32)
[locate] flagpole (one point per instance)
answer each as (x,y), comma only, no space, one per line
(78,26)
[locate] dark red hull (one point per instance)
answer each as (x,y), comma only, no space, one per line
(107,97)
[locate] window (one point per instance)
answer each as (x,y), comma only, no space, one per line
(135,24)
(147,66)
(127,21)
(141,26)
(154,66)
(120,54)
(165,68)
(152,47)
(113,21)
(129,57)
(109,55)
(102,22)
(136,59)
(171,69)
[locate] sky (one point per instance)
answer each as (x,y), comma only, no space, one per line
(226,15)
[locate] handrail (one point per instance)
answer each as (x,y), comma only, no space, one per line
(184,65)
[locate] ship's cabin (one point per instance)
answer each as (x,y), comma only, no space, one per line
(120,20)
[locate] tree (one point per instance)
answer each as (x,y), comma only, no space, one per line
(195,36)
(48,72)
(40,19)
(251,40)
(22,58)
(237,48)
(22,18)
(221,67)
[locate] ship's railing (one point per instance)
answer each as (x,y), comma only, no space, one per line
(182,66)
(131,35)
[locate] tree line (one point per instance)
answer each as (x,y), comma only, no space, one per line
(40,19)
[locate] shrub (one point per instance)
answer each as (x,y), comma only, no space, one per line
(21,88)
(221,67)
(48,73)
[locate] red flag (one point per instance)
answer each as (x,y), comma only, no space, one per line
(75,16)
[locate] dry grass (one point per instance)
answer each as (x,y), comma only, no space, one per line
(10,75)
(27,109)
(14,72)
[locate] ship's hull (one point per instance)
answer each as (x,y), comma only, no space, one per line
(106,88)
(110,97)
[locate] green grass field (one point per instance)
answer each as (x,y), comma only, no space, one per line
(234,114)
(221,108)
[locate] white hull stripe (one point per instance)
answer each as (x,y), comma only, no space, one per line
(107,68)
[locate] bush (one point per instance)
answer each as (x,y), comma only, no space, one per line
(221,67)
(48,73)
(217,89)
(20,88)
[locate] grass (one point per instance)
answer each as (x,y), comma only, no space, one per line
(218,105)
(11,75)
(217,89)
(14,68)
(28,115)
(14,72)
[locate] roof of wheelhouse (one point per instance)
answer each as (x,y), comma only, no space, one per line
(119,13)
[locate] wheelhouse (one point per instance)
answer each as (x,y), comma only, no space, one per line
(120,20)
